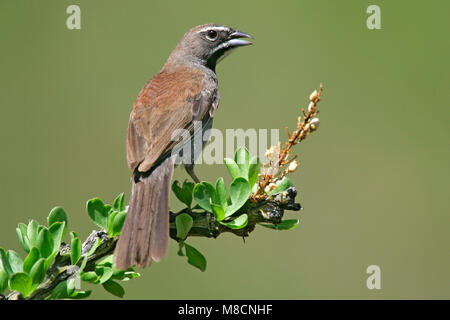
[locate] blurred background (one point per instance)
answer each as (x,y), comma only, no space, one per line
(374,179)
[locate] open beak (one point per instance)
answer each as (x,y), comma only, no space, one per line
(235,41)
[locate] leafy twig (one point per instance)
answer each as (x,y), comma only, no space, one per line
(204,225)
(263,211)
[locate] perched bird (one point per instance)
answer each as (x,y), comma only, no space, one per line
(183,92)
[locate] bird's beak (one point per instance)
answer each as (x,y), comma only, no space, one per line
(235,41)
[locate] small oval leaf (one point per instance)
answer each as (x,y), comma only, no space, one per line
(114,288)
(98,212)
(184,193)
(282,185)
(14,261)
(232,167)
(21,282)
(220,195)
(219,212)
(242,159)
(23,239)
(3,280)
(195,258)
(238,223)
(31,259)
(105,273)
(203,192)
(239,194)
(183,223)
(44,243)
(117,223)
(90,276)
(37,272)
(288,224)
(75,250)
(32,231)
(57,214)
(119,202)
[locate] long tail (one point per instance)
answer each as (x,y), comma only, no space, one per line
(145,234)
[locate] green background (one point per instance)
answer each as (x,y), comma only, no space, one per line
(374,180)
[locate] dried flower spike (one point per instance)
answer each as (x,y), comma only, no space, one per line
(313,96)
(305,125)
(292,166)
(314,123)
(270,152)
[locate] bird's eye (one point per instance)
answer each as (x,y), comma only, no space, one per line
(211,35)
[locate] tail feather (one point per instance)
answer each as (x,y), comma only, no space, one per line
(160,235)
(145,234)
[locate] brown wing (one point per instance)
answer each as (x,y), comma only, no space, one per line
(170,101)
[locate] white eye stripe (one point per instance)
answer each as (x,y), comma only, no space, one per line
(218,29)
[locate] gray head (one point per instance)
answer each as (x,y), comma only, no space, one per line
(208,44)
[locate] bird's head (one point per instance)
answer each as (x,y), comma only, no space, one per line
(208,44)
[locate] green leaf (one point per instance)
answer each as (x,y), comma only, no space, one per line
(75,248)
(14,262)
(57,232)
(282,185)
(242,159)
(32,232)
(49,260)
(98,212)
(123,275)
(4,264)
(22,236)
(203,192)
(31,259)
(288,224)
(117,223)
(220,196)
(44,243)
(183,223)
(80,294)
(184,193)
(57,215)
(23,228)
(232,167)
(105,273)
(21,282)
(219,212)
(244,166)
(238,223)
(126,275)
(3,280)
(114,288)
(37,272)
(108,261)
(253,171)
(60,291)
(239,194)
(90,276)
(3,274)
(108,209)
(111,217)
(119,203)
(195,258)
